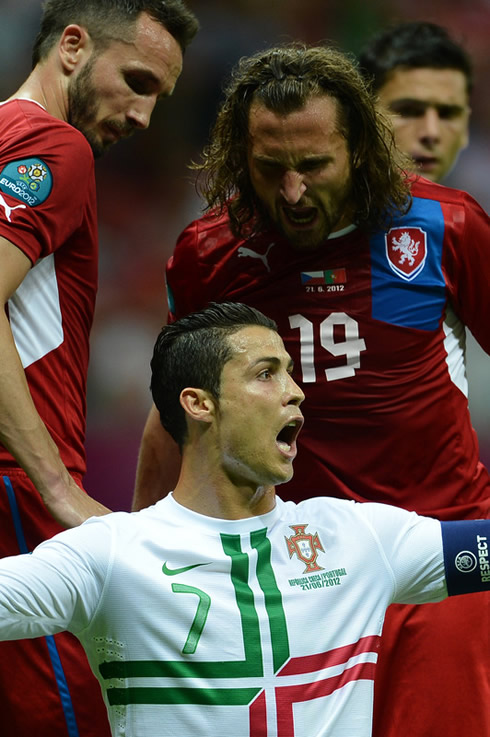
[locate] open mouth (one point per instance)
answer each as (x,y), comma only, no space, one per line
(286,438)
(300,216)
(425,162)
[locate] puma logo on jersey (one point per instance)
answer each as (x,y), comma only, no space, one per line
(244,252)
(8,209)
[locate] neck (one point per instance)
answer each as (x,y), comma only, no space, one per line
(211,491)
(47,90)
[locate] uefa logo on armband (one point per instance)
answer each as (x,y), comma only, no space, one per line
(466,561)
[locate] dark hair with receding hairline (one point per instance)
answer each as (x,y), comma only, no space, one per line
(413,45)
(109,20)
(283,79)
(191,352)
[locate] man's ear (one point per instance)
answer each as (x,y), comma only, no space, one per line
(198,404)
(74,47)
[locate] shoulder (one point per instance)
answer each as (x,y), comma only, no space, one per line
(424,189)
(202,249)
(445,215)
(210,237)
(26,128)
(347,512)
(323,510)
(207,233)
(99,539)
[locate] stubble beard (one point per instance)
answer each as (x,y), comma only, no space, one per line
(314,238)
(82,106)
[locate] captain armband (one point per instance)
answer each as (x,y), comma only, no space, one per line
(466,546)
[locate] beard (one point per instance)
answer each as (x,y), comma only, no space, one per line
(308,239)
(82,106)
(324,207)
(328,216)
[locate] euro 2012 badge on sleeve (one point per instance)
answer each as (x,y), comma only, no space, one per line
(28,180)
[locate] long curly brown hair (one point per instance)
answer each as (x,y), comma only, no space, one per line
(283,79)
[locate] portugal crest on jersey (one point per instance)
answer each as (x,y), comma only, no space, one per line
(305,546)
(406,251)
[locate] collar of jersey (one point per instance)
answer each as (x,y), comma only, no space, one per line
(23,99)
(341,233)
(171,509)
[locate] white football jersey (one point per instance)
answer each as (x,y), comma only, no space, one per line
(262,627)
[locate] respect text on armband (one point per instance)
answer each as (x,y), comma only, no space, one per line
(466,555)
(482,544)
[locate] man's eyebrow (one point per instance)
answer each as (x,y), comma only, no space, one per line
(262,158)
(274,360)
(146,76)
(267,359)
(408,101)
(400,101)
(273,160)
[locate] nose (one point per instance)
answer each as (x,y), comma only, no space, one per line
(430,126)
(294,394)
(139,114)
(292,187)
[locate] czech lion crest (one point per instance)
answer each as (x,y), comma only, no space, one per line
(406,251)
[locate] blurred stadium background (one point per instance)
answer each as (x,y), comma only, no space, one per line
(146,195)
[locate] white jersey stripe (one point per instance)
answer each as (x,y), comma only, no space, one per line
(455,345)
(35,314)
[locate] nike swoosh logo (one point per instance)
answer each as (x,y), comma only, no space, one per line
(175,571)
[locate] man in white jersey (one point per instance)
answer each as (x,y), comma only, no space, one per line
(222,609)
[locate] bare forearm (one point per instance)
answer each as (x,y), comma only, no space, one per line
(25,436)
(158,464)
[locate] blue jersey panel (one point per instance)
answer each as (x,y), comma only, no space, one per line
(408,287)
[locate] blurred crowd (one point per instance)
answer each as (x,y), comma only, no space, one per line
(146,193)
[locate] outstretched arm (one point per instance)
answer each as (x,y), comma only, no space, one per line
(158,463)
(58,586)
(22,431)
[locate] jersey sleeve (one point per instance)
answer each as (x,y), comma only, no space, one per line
(184,286)
(46,183)
(467,265)
(58,586)
(413,551)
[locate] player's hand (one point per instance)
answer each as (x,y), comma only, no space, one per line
(69,505)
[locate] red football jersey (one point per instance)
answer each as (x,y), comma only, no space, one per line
(48,210)
(375,326)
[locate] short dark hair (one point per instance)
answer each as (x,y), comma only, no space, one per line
(283,79)
(107,20)
(191,352)
(413,45)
